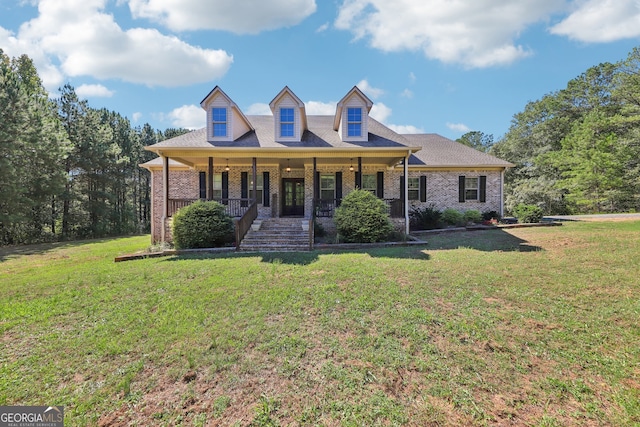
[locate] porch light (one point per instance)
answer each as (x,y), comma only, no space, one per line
(351,167)
(227,167)
(288,169)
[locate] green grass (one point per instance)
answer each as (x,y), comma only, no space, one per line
(535,327)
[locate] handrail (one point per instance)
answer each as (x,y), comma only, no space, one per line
(233,207)
(243,224)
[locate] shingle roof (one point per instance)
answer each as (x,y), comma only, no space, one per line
(438,151)
(320,134)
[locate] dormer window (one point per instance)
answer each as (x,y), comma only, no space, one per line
(354,122)
(219,122)
(286,122)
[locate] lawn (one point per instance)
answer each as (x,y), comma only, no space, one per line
(535,327)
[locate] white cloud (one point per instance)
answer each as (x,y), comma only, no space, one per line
(136,116)
(89,91)
(406,94)
(601,21)
(85,41)
(322,28)
(370,91)
(259,109)
(458,127)
(412,77)
(188,117)
(405,129)
(380,112)
(251,18)
(475,33)
(320,108)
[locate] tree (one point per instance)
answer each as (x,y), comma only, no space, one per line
(478,140)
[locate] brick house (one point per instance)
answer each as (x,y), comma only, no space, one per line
(291,164)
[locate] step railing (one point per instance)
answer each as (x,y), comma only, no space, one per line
(243,224)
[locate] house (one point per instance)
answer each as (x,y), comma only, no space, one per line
(291,164)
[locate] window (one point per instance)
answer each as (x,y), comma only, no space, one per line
(370,183)
(259,187)
(471,188)
(286,122)
(219,122)
(217,186)
(354,121)
(414,188)
(327,187)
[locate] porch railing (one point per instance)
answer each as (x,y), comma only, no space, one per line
(243,224)
(234,207)
(326,208)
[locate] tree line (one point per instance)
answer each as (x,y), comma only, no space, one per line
(67,170)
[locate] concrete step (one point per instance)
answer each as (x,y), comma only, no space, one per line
(276,234)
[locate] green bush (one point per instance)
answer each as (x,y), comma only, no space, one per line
(473,216)
(362,218)
(451,216)
(426,218)
(528,213)
(202,225)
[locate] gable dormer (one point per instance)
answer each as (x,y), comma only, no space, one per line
(289,116)
(225,121)
(352,116)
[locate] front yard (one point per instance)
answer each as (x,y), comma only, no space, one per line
(531,326)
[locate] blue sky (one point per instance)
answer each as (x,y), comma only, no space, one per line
(439,66)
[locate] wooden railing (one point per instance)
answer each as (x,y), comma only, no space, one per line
(326,208)
(234,207)
(243,224)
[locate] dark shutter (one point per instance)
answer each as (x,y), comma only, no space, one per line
(203,185)
(358,180)
(423,188)
(316,186)
(402,188)
(380,186)
(265,189)
(461,182)
(338,188)
(225,186)
(244,185)
(483,188)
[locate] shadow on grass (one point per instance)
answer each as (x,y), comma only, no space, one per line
(7,252)
(486,241)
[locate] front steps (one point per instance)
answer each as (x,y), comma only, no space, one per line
(277,234)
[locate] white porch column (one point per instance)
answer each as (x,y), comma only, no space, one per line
(165,196)
(406,193)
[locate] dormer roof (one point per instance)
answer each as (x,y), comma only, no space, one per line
(215,92)
(355,91)
(300,105)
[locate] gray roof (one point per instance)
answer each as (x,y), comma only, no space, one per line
(320,134)
(438,151)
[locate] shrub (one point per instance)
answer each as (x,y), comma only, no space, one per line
(202,225)
(528,213)
(473,216)
(426,218)
(451,216)
(489,215)
(362,218)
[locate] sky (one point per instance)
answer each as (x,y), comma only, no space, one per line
(429,66)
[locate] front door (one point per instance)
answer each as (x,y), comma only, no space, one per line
(293,201)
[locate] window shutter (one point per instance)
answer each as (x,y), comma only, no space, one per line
(461,180)
(225,185)
(402,188)
(423,188)
(338,188)
(316,186)
(358,180)
(265,189)
(203,185)
(244,185)
(380,189)
(483,188)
